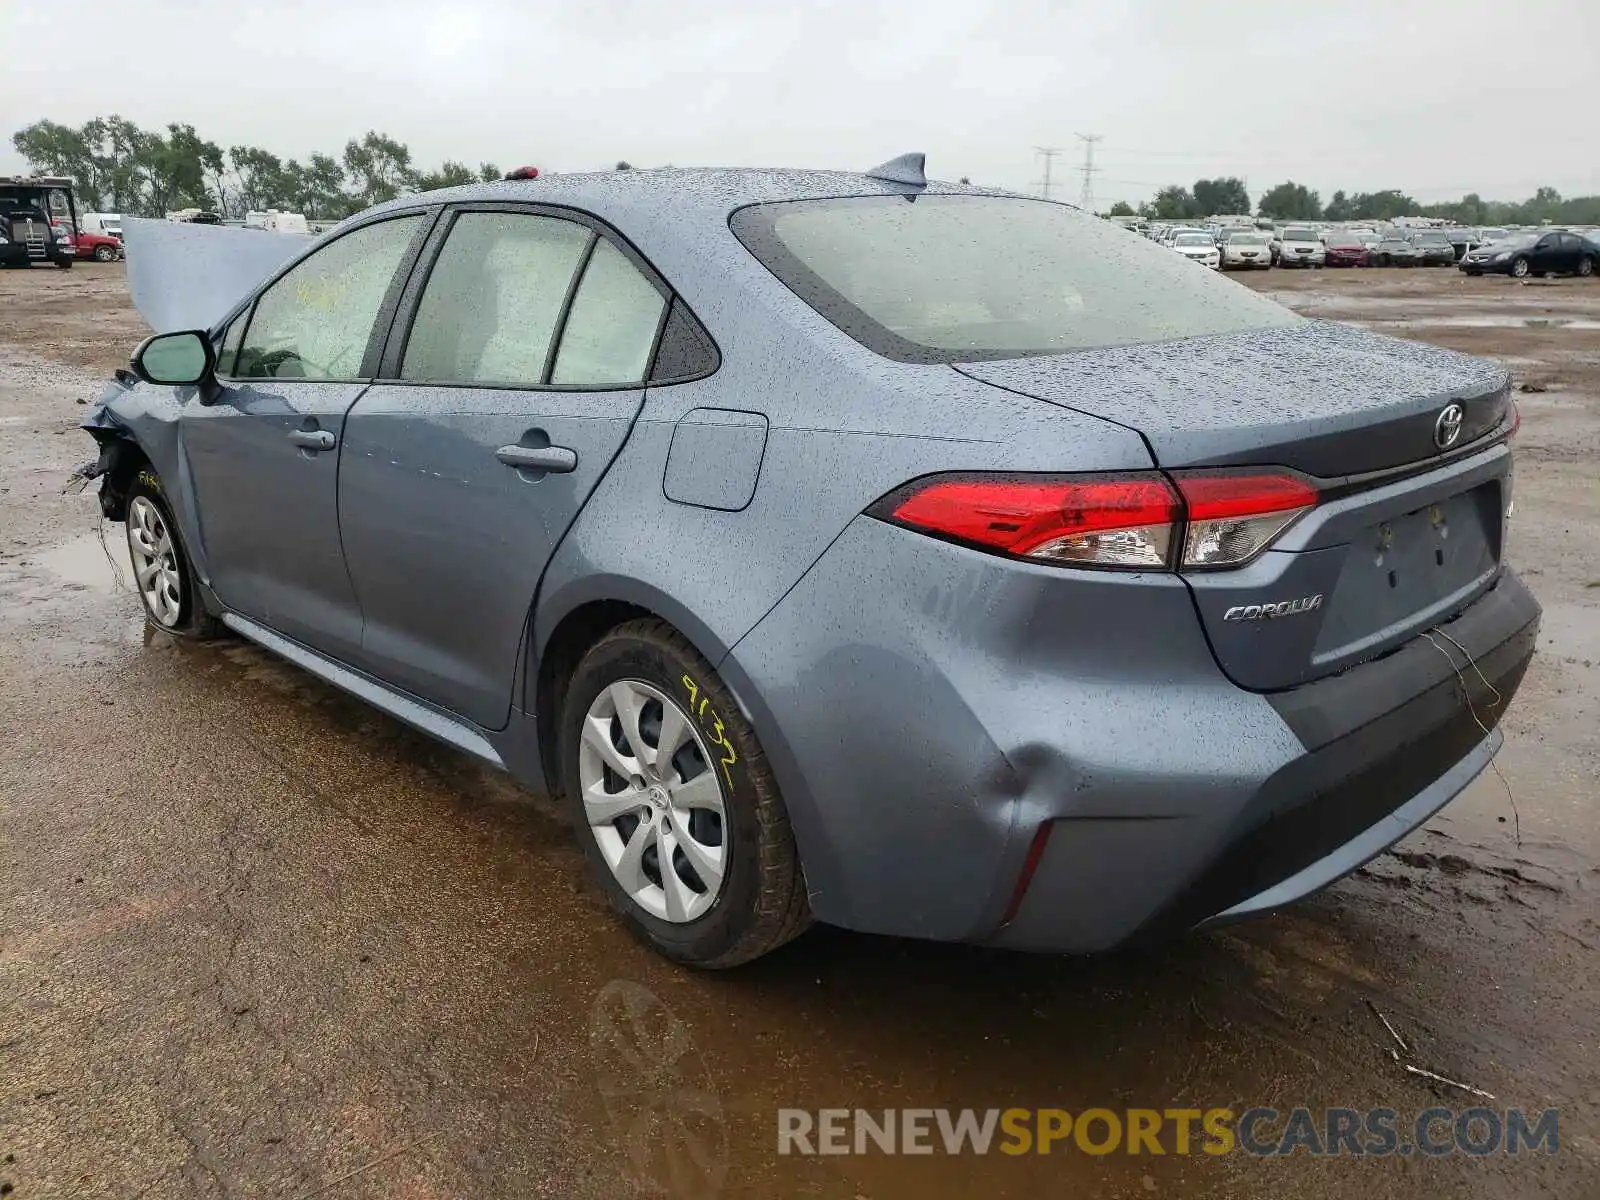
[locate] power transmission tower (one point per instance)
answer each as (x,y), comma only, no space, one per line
(1086,198)
(1049,153)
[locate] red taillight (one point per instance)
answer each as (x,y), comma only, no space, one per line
(1128,522)
(1120,521)
(1232,518)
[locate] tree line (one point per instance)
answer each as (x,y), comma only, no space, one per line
(118,167)
(1290,201)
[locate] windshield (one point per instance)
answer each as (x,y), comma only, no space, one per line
(1432,239)
(963,278)
(1194,239)
(1299,235)
(1246,239)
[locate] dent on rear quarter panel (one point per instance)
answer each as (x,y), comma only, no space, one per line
(844,428)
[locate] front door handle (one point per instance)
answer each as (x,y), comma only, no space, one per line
(312,439)
(538,458)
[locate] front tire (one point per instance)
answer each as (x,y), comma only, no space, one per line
(162,574)
(1519,268)
(64,264)
(674,804)
(104,254)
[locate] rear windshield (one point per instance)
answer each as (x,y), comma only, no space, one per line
(965,278)
(1299,235)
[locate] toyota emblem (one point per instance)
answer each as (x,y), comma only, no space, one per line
(1447,429)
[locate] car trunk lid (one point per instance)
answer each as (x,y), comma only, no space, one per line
(1407,531)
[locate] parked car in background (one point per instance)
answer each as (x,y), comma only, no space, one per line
(1200,247)
(1365,234)
(1034,661)
(1343,249)
(1394,250)
(1493,234)
(1433,248)
(98,246)
(1300,246)
(1463,239)
(1555,252)
(1244,249)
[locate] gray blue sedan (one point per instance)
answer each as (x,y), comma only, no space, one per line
(902,555)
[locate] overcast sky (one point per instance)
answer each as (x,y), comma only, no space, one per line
(1437,97)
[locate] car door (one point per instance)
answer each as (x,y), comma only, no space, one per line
(513,376)
(261,444)
(1571,252)
(1546,254)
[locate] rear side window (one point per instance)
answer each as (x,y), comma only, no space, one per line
(316,321)
(494,298)
(612,326)
(966,278)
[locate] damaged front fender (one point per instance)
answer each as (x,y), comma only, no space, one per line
(120,456)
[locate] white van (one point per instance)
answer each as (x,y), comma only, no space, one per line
(106,224)
(275,221)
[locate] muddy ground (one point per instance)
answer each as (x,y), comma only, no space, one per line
(257,939)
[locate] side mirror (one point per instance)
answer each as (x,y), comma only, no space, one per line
(174,358)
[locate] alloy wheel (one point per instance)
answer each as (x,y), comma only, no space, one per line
(1520,268)
(155,562)
(653,801)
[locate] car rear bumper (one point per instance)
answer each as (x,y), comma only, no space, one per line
(929,709)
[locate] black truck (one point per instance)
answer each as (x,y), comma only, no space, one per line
(38,221)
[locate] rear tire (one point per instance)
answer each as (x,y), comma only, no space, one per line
(647,676)
(163,576)
(64,264)
(1585,266)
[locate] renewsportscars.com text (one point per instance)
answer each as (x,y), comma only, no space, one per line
(1097,1131)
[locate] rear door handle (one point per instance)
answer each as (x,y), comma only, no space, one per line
(312,439)
(538,458)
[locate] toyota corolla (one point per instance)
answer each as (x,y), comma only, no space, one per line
(902,555)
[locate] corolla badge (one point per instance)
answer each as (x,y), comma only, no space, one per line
(1282,608)
(1447,429)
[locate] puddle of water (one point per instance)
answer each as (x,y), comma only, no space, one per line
(88,563)
(1488,322)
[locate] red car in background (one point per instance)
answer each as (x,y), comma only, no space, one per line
(1345,250)
(98,247)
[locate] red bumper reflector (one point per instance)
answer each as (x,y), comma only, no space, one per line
(1029,866)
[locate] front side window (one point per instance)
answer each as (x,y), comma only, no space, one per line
(315,322)
(938,278)
(494,298)
(228,345)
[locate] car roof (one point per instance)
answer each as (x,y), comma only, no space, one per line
(706,191)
